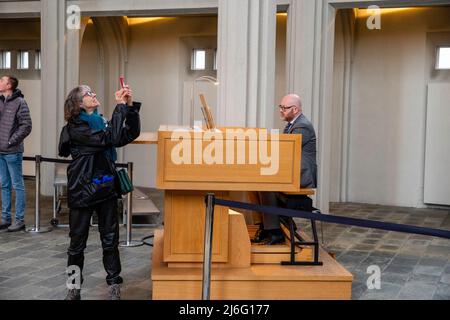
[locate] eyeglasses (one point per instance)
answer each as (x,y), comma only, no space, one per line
(90,94)
(285,108)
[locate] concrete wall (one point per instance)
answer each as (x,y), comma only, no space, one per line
(390,72)
(91,62)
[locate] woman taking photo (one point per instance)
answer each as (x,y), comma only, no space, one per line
(92,181)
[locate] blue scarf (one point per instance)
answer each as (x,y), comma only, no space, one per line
(98,123)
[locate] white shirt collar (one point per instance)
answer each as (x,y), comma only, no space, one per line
(295,119)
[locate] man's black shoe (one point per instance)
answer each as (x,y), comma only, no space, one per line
(260,236)
(275,236)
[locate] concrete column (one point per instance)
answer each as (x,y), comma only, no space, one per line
(52,83)
(310,50)
(247,30)
(261,73)
(233,62)
(324,104)
(300,51)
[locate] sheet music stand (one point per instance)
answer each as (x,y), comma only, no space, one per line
(207,114)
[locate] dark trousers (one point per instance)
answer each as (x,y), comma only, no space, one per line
(276,199)
(108,226)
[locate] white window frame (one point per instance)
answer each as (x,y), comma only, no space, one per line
(194,66)
(23,60)
(438,57)
(3,60)
(37,60)
(215,66)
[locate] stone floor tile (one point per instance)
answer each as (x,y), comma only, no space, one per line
(387,292)
(428,270)
(425,278)
(417,290)
(442,292)
(397,268)
(445,278)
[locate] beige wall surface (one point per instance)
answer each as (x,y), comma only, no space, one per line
(91,62)
(391,69)
(17,35)
(437,166)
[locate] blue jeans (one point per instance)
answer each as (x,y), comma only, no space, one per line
(11,175)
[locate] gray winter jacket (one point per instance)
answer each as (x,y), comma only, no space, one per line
(15,123)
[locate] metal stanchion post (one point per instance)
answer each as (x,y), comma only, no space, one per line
(209,220)
(129,242)
(37,228)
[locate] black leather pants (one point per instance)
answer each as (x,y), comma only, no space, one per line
(108,226)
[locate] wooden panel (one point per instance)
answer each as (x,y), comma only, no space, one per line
(258,282)
(254,290)
(197,174)
(238,246)
(303,192)
(184,222)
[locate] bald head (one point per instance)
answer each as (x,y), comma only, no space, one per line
(294,101)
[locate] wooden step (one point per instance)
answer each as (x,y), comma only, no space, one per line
(275,254)
(264,254)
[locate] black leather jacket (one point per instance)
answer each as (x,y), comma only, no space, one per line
(88,157)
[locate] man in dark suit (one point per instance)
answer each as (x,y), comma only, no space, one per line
(291,111)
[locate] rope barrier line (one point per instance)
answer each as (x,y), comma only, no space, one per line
(372,224)
(61,161)
(38,159)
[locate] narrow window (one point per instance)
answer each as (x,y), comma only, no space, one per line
(215,59)
(23,60)
(37,60)
(5,59)
(443,58)
(198,59)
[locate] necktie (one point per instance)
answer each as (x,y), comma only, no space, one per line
(287,128)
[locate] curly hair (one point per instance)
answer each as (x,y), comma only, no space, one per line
(73,103)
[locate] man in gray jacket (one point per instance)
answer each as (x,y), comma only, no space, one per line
(15,126)
(291,112)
